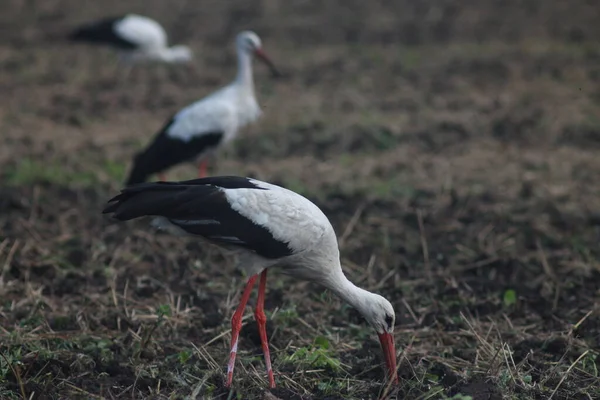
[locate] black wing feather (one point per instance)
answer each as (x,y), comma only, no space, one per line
(201,208)
(165,152)
(102,32)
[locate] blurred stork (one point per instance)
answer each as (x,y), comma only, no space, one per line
(268,227)
(201,128)
(138,39)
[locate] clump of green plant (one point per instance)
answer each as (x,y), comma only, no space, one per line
(331,387)
(162,311)
(509,298)
(286,315)
(11,363)
(319,354)
(115,170)
(459,396)
(101,347)
(183,356)
(8,361)
(29,170)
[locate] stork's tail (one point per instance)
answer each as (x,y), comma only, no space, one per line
(77,35)
(96,32)
(85,34)
(144,199)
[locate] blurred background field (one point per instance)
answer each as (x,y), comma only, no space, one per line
(454,145)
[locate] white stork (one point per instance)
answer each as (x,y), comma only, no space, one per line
(268,227)
(137,37)
(201,128)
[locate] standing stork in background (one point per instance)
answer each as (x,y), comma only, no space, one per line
(268,227)
(138,38)
(203,127)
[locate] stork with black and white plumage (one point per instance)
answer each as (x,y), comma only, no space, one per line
(138,38)
(267,226)
(203,127)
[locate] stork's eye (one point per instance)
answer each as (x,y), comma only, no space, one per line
(389,320)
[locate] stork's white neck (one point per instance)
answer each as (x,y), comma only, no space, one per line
(175,54)
(244,75)
(357,297)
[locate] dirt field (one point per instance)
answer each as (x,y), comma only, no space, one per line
(455,147)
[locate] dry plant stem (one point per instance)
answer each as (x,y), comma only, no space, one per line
(17,375)
(550,272)
(9,258)
(567,373)
(351,225)
(424,246)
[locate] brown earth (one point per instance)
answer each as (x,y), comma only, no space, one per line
(454,146)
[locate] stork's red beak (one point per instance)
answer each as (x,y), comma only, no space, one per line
(389,353)
(260,53)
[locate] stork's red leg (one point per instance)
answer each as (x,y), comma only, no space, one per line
(261,319)
(236,325)
(202,169)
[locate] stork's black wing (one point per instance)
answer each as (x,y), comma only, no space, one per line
(166,151)
(200,207)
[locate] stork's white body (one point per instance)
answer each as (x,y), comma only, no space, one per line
(289,218)
(144,32)
(138,39)
(226,111)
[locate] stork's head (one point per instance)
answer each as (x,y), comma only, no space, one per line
(380,314)
(249,42)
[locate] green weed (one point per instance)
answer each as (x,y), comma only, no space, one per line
(28,171)
(317,355)
(509,298)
